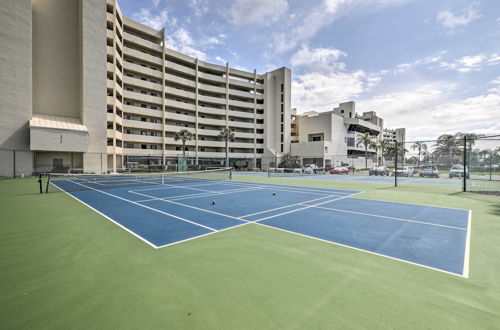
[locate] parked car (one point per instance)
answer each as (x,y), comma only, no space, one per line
(457,171)
(310,169)
(379,170)
(404,171)
(429,172)
(339,170)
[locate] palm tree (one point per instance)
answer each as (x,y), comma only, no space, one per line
(383,146)
(446,146)
(289,161)
(366,140)
(421,147)
(227,134)
(184,135)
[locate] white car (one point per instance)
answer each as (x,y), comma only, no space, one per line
(310,169)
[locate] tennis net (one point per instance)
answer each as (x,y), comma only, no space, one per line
(77,182)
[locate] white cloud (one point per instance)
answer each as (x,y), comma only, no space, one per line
(199,7)
(180,40)
(246,12)
(326,81)
(427,112)
(471,63)
(220,59)
(318,58)
(452,22)
(320,17)
(156,3)
(155,21)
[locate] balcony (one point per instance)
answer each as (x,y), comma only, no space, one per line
(179,80)
(211,99)
(241,83)
(111,117)
(143,139)
(142,69)
(241,124)
(143,125)
(361,126)
(142,42)
(212,111)
(142,152)
(180,117)
(241,104)
(180,68)
(114,150)
(174,128)
(143,56)
(211,77)
(179,105)
(143,111)
(179,92)
(212,122)
(213,89)
(143,84)
(142,97)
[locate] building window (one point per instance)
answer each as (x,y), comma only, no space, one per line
(342,111)
(281,107)
(144,146)
(281,138)
(282,118)
(154,121)
(202,149)
(154,94)
(282,148)
(282,88)
(144,92)
(144,106)
(154,107)
(129,145)
(282,98)
(143,119)
(144,133)
(129,131)
(281,128)
(178,148)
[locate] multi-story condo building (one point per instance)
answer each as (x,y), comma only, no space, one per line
(88,87)
(395,135)
(331,138)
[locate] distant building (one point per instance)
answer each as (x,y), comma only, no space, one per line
(331,138)
(395,135)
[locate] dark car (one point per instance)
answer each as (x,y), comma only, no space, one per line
(429,172)
(379,170)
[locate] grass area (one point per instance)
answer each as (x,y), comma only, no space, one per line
(63,266)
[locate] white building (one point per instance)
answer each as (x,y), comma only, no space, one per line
(85,87)
(395,135)
(331,138)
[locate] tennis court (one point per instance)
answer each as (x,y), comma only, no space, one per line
(162,210)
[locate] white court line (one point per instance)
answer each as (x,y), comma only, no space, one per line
(358,249)
(467,246)
(387,217)
(286,206)
(196,208)
(189,196)
(202,235)
(306,207)
(147,207)
(434,206)
(107,217)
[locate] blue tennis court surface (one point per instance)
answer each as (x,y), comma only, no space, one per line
(176,211)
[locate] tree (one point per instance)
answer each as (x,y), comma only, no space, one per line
(421,147)
(383,146)
(227,134)
(289,161)
(184,135)
(447,145)
(366,140)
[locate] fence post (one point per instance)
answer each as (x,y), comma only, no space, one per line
(14,163)
(465,164)
(396,165)
(491,159)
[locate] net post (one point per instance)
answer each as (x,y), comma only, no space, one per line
(48,181)
(230,174)
(163,178)
(396,164)
(465,165)
(268,172)
(491,159)
(40,182)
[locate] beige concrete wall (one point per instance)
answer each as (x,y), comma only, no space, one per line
(44,160)
(48,139)
(56,57)
(15,73)
(93,81)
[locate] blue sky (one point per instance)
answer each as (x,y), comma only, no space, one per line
(430,66)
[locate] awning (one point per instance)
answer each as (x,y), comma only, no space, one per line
(57,122)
